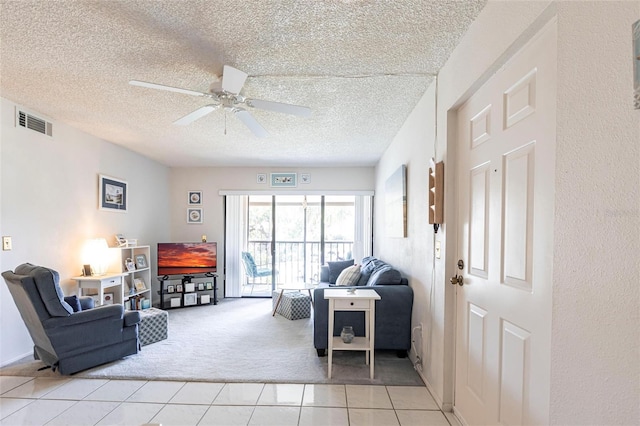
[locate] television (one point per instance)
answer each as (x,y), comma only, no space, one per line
(187,258)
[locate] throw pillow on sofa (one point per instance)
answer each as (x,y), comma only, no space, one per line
(385,276)
(367,268)
(336,267)
(349,276)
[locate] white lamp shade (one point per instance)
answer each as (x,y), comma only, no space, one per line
(96,254)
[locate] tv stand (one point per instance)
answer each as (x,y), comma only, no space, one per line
(188,293)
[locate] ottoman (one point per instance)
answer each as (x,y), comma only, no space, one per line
(153,325)
(294,305)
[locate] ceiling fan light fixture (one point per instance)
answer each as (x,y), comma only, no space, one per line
(226,95)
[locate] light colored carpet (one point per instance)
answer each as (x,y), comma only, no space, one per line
(239,341)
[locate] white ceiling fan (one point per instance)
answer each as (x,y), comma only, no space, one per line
(229,98)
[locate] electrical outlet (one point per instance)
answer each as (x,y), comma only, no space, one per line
(6,243)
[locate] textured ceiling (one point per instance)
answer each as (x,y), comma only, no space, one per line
(361,66)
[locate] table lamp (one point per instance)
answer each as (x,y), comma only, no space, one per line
(96,254)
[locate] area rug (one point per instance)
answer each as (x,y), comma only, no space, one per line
(238,340)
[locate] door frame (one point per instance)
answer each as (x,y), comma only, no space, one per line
(451,158)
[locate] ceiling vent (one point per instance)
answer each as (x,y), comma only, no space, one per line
(37,124)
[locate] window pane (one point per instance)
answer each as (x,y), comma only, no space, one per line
(339,223)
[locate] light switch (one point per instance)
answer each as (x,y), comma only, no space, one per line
(6,243)
(437,249)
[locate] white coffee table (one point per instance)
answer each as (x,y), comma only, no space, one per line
(293,287)
(361,300)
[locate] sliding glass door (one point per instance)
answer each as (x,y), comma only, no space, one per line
(291,236)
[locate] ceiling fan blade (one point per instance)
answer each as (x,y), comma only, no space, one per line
(300,111)
(233,79)
(251,123)
(199,113)
(167,88)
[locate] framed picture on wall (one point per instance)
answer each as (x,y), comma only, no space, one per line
(194,215)
(112,194)
(284,180)
(194,198)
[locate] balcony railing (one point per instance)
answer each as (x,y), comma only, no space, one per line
(298,261)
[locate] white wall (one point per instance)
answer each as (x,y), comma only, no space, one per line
(214,179)
(49,205)
(414,255)
(595,352)
(595,356)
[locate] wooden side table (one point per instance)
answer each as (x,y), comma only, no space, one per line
(102,282)
(361,300)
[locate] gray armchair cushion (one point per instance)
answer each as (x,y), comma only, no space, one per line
(52,296)
(336,267)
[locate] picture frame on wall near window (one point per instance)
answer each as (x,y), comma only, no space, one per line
(194,198)
(112,194)
(194,215)
(284,180)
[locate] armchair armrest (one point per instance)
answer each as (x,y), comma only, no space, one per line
(131,318)
(101,312)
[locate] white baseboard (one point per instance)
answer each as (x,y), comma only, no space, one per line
(444,407)
(18,358)
(453,416)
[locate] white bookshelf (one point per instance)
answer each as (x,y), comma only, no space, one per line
(141,273)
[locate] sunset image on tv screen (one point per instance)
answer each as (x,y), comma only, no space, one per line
(186,258)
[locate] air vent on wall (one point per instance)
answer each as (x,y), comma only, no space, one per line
(29,121)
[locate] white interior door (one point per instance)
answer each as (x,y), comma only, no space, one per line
(506,168)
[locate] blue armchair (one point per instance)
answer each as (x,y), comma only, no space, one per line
(70,337)
(252,271)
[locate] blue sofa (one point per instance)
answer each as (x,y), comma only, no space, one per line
(67,334)
(393,310)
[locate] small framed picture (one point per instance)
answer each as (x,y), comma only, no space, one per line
(261,178)
(171,289)
(141,261)
(190,299)
(140,286)
(200,286)
(189,287)
(130,265)
(284,180)
(305,178)
(209,285)
(194,198)
(121,240)
(86,270)
(179,288)
(107,299)
(194,215)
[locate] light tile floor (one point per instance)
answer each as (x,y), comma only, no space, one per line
(75,401)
